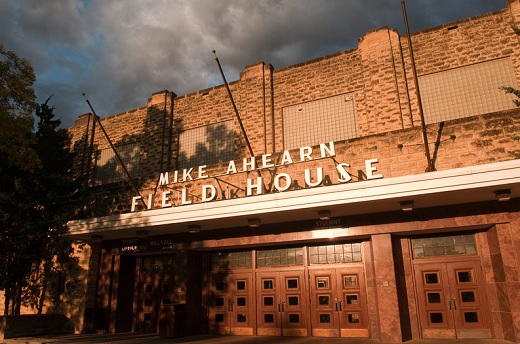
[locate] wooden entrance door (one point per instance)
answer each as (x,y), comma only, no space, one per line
(338,302)
(281,304)
(156,291)
(451,298)
(231,307)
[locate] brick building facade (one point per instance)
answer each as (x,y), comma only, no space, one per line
(320,217)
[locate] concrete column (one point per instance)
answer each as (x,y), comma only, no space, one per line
(388,307)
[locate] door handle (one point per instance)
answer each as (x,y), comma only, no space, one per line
(281,307)
(338,305)
(453,304)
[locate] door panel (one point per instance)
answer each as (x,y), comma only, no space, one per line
(451,304)
(231,304)
(156,291)
(338,303)
(281,304)
(324,303)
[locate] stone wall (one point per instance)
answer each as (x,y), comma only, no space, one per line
(388,124)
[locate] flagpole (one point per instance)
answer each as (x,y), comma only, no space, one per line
(418,93)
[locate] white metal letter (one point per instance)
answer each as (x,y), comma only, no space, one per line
(319,177)
(324,149)
(305,152)
(231,167)
(258,186)
(266,161)
(202,172)
(184,198)
(165,199)
(286,158)
(288,181)
(187,174)
(371,169)
(344,176)
(209,192)
(134,202)
(249,164)
(163,179)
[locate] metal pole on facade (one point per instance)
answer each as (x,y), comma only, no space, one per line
(116,154)
(418,93)
(234,106)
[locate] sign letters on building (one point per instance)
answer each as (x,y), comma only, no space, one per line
(255,186)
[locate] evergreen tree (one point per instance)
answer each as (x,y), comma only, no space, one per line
(53,188)
(36,186)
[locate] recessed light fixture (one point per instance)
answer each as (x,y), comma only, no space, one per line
(193,229)
(407,205)
(324,215)
(254,222)
(503,195)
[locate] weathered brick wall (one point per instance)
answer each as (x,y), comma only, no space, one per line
(386,106)
(465,42)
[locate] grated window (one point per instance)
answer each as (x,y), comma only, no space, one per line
(206,145)
(109,170)
(467,91)
(319,121)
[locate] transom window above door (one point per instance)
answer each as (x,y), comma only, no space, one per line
(444,246)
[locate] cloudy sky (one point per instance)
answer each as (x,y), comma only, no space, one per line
(119,52)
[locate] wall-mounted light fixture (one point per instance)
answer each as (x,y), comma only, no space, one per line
(324,215)
(254,222)
(141,233)
(193,229)
(96,238)
(503,195)
(407,205)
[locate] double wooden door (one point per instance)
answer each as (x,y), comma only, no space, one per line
(282,303)
(451,299)
(338,302)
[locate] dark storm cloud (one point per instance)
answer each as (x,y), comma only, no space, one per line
(120,52)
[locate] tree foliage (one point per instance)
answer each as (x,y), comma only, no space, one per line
(17,103)
(509,89)
(35,181)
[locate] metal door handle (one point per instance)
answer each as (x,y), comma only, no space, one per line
(281,307)
(453,304)
(338,305)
